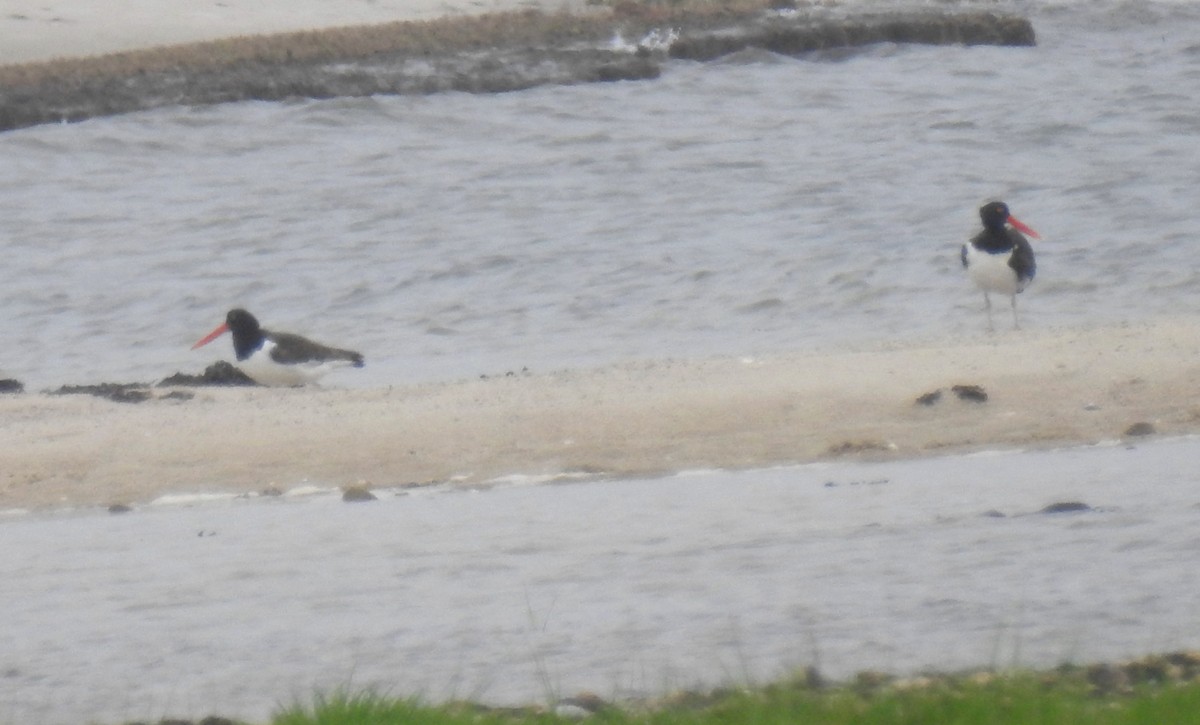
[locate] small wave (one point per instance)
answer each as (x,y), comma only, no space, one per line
(656,40)
(339,112)
(953,126)
(764,305)
(753,56)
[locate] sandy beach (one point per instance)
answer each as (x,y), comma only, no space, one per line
(1046,389)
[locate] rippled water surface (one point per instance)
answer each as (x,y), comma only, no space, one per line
(757,204)
(761,203)
(520,593)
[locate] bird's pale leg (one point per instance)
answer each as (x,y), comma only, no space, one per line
(987,304)
(1016,322)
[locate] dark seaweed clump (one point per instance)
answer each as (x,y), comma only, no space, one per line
(116,392)
(218,374)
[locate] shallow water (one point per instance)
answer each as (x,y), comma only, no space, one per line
(756,204)
(627,588)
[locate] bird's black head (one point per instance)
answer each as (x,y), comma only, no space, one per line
(994,214)
(242,322)
(247,335)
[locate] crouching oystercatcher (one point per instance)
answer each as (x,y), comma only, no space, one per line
(278,358)
(999,258)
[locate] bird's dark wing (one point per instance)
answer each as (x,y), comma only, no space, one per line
(291,349)
(1022,260)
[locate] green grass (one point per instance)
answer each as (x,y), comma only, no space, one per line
(369,707)
(1068,696)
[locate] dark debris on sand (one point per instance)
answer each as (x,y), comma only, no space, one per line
(359,493)
(969,393)
(489,54)
(1141,428)
(217,374)
(972,393)
(10,385)
(116,392)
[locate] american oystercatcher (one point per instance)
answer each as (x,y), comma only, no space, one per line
(999,258)
(278,358)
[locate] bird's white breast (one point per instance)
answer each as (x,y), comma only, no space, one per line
(991,271)
(266,371)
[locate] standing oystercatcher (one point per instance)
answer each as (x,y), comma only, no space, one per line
(999,259)
(278,358)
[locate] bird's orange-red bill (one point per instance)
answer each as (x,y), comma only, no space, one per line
(1020,226)
(221,330)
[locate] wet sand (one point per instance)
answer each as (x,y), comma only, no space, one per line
(1043,389)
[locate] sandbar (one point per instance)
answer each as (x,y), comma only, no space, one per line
(640,418)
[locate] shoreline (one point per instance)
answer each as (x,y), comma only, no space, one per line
(1111,684)
(1069,387)
(502,50)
